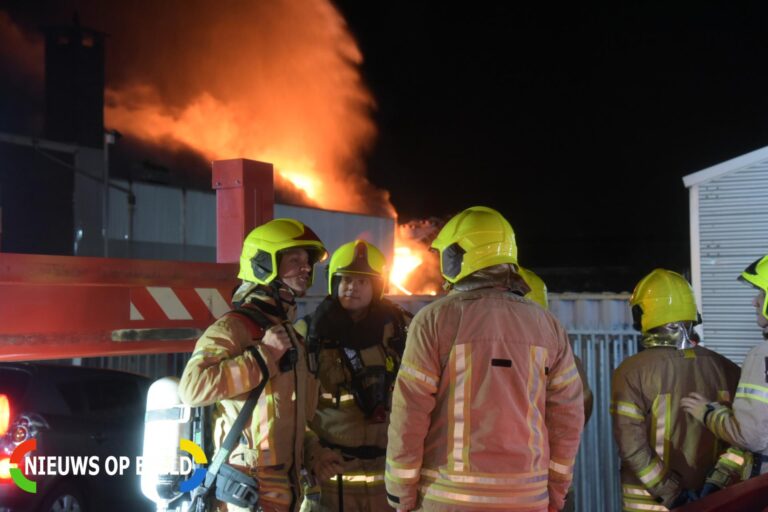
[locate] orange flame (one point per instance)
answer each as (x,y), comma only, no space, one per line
(415,270)
(275,81)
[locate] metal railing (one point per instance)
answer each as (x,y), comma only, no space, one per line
(596,480)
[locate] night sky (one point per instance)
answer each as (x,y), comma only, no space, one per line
(577,122)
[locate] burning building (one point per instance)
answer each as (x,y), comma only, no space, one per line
(276,82)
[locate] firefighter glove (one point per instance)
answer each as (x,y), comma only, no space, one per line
(697,406)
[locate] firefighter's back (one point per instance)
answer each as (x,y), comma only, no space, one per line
(655,380)
(501,356)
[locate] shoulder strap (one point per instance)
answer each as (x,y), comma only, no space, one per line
(222,455)
(257,319)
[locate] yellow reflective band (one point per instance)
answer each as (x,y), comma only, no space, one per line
(462,377)
(632,490)
(517,499)
(732,457)
(342,398)
(265,411)
(628,409)
(514,479)
(399,473)
(642,505)
(652,474)
(210,352)
(566,377)
(716,421)
(418,376)
(236,376)
(662,414)
(360,478)
(689,353)
(535,392)
(753,391)
(560,468)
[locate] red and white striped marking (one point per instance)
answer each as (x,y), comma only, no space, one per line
(166,303)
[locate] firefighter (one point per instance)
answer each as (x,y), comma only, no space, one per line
(538,294)
(745,424)
(487,409)
(359,337)
(665,456)
(276,266)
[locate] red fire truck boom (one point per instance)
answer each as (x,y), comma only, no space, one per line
(55,307)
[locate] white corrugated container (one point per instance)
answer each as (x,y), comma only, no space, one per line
(729,230)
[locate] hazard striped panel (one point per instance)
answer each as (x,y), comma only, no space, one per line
(162,303)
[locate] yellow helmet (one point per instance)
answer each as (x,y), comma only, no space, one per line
(259,259)
(477,238)
(757,275)
(660,298)
(359,258)
(538,293)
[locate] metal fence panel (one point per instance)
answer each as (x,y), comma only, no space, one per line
(596,479)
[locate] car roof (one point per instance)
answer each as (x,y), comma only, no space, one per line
(54,369)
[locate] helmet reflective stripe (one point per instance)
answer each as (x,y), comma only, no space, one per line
(660,298)
(538,293)
(259,259)
(356,258)
(477,238)
(757,275)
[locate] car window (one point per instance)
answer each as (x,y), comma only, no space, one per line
(113,396)
(13,383)
(72,393)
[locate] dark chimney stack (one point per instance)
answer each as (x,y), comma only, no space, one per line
(74,85)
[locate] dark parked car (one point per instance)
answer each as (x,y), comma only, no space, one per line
(73,413)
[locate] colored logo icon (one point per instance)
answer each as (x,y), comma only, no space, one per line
(21,481)
(199,457)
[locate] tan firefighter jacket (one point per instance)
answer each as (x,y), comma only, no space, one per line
(339,421)
(222,372)
(663,450)
(745,425)
(487,410)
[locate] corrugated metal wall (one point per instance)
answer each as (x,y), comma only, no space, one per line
(176,224)
(599,328)
(337,228)
(733,228)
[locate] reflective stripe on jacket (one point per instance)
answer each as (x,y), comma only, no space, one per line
(487,409)
(746,424)
(663,450)
(340,422)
